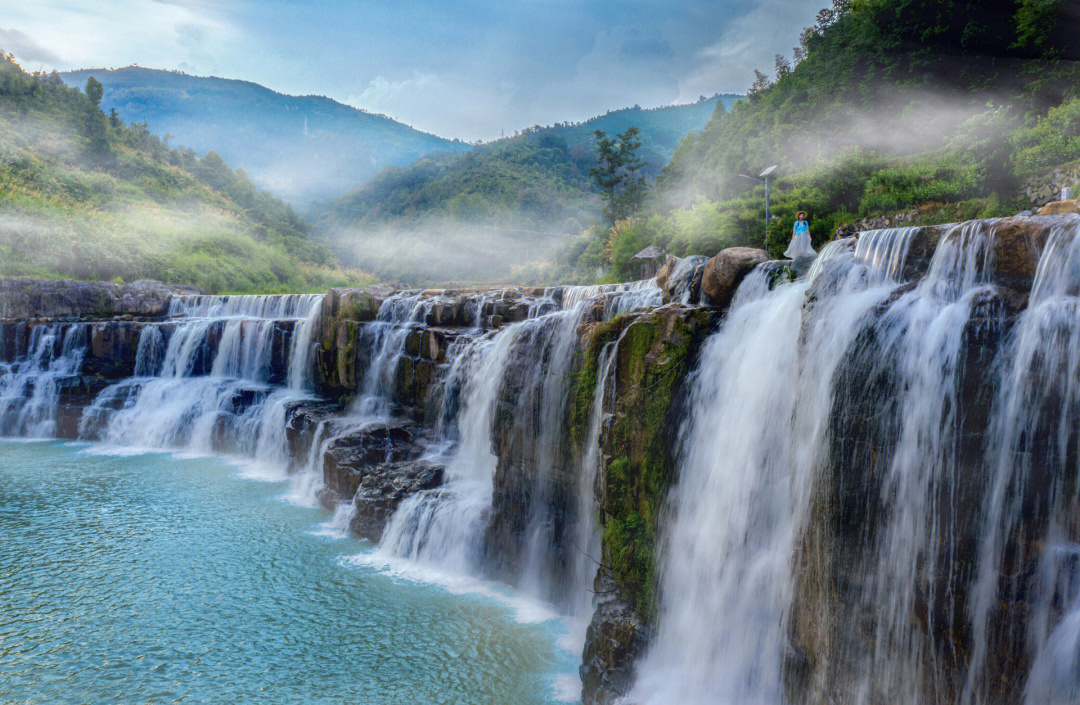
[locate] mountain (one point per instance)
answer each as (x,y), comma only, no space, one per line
(520,196)
(305,148)
(85,196)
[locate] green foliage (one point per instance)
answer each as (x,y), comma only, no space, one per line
(86,196)
(1052,140)
(616,174)
(890,105)
(891,189)
(94,91)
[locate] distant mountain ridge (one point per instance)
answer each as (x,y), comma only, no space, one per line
(305,148)
(662,128)
(535,180)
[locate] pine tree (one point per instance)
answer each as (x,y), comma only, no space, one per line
(616,173)
(95,91)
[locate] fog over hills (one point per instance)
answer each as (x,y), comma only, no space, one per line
(300,147)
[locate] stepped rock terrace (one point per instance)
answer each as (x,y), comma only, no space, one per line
(851,480)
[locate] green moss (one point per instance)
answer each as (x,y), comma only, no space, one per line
(588,368)
(653,361)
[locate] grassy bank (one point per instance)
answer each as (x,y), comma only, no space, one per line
(85,196)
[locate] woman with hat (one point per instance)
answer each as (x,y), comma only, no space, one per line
(800,239)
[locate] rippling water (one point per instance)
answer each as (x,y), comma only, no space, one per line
(151,578)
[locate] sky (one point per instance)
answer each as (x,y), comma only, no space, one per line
(470,69)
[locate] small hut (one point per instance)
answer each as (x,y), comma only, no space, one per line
(650,259)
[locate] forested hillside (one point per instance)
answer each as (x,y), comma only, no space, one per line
(301,147)
(536,181)
(86,196)
(942,105)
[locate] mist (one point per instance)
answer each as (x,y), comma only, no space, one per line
(434,253)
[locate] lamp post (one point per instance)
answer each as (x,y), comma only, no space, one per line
(764,180)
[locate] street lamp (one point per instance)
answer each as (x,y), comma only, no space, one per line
(764,180)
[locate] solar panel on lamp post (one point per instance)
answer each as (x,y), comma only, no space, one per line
(765,175)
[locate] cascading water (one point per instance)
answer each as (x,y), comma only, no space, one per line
(1032,503)
(209,383)
(512,386)
(924,335)
(754,436)
(384,339)
(30,385)
(617,298)
(443,528)
(586,533)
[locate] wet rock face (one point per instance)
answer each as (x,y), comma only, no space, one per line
(302,421)
(680,279)
(384,487)
(723,273)
(656,353)
(113,348)
(22,298)
(838,552)
(377,466)
(614,641)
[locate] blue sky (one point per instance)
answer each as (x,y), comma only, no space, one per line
(469,69)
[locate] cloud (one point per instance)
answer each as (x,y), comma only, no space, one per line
(646,49)
(190,35)
(451,106)
(25,48)
(749,41)
(468,70)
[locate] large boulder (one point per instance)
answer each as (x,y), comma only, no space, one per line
(1061,207)
(726,270)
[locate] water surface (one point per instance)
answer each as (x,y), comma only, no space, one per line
(152,578)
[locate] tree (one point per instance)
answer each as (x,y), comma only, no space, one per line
(761,84)
(616,173)
(95,91)
(783,66)
(114,119)
(94,125)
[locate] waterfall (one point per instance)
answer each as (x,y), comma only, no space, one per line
(618,298)
(443,528)
(30,384)
(885,251)
(307,483)
(150,354)
(1032,501)
(385,339)
(586,533)
(924,335)
(750,445)
(301,357)
(210,379)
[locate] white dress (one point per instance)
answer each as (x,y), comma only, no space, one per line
(800,242)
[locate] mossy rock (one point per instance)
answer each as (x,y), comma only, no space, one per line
(657,351)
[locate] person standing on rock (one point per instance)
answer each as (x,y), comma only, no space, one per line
(800,239)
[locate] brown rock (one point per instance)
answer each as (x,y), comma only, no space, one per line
(1061,207)
(665,272)
(726,270)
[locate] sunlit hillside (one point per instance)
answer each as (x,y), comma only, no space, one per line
(85,196)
